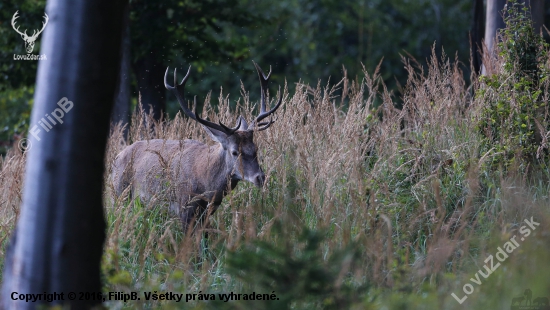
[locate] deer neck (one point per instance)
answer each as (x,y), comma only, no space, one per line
(218,171)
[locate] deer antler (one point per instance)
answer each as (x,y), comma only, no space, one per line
(44,23)
(263,114)
(17,29)
(177,89)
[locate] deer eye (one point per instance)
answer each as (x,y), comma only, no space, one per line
(234,153)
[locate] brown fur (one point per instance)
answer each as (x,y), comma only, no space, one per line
(187,174)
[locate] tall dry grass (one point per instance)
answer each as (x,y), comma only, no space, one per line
(12,168)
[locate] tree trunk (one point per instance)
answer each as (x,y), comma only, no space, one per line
(58,240)
(476,35)
(121,110)
(493,22)
(537,13)
(149,73)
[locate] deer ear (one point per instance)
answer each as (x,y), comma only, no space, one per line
(244,124)
(216,135)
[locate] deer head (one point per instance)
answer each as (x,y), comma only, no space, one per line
(237,142)
(29,40)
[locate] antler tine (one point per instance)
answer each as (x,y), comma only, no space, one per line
(263,114)
(263,84)
(180,95)
(44,23)
(265,125)
(13,24)
(220,126)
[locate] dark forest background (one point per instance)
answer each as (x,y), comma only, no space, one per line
(308,41)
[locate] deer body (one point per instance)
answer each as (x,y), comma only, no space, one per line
(191,175)
(177,171)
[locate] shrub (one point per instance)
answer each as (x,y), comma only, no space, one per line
(513,100)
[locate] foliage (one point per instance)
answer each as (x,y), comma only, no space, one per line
(297,272)
(304,40)
(311,40)
(523,49)
(188,30)
(514,104)
(17,103)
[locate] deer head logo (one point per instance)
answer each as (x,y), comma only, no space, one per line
(29,40)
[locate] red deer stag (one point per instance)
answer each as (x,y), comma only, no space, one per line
(191,174)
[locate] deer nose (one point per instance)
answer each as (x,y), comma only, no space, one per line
(259,180)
